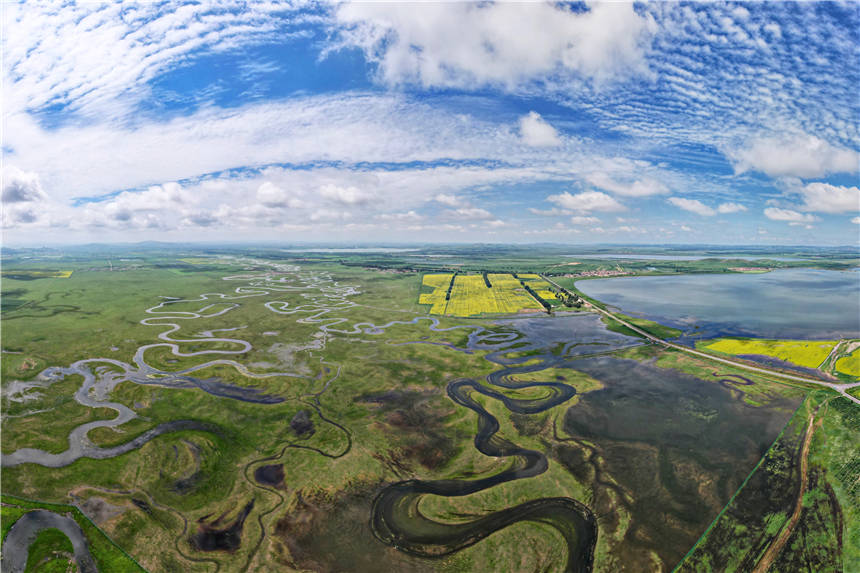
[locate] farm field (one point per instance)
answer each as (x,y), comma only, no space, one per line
(24,275)
(850,364)
(541,287)
(471,296)
(806,353)
(436,298)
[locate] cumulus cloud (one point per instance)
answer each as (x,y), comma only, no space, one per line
(584,220)
(448,200)
(827,198)
(471,213)
(777,214)
(271,195)
(536,132)
(691,205)
(856,220)
(586,201)
(797,156)
(638,188)
(726,208)
(504,44)
(24,203)
(407,216)
(21,186)
(345,195)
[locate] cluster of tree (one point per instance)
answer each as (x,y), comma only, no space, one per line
(487,280)
(450,287)
(546,306)
(567,298)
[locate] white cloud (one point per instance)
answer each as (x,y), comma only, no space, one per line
(21,186)
(408,216)
(448,200)
(586,201)
(796,156)
(637,188)
(345,195)
(826,198)
(856,220)
(325,214)
(97,57)
(537,132)
(777,214)
(470,213)
(504,44)
(583,220)
(553,212)
(23,200)
(726,208)
(271,195)
(691,205)
(685,228)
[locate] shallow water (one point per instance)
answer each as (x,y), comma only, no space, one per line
(791,303)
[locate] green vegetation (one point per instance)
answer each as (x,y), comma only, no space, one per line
(51,552)
(108,556)
(761,509)
(654,441)
(649,326)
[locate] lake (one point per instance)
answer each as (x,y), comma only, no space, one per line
(790,303)
(647,257)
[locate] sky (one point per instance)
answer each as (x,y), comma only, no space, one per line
(598,122)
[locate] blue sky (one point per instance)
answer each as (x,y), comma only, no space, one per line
(733,123)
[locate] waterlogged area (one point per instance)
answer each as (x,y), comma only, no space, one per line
(791,303)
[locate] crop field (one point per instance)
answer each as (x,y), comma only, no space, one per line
(25,275)
(540,286)
(439,283)
(806,353)
(471,297)
(850,364)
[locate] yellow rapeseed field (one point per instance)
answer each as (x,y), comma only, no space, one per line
(850,364)
(439,283)
(540,286)
(807,353)
(471,297)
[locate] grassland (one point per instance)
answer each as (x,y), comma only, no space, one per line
(806,353)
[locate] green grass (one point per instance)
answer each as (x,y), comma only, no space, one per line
(107,555)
